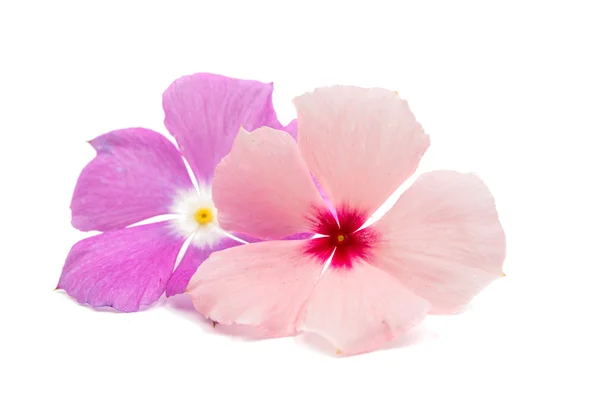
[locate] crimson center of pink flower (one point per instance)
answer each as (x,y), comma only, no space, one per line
(349,244)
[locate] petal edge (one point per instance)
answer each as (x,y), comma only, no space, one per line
(262,187)
(360,309)
(123,269)
(262,285)
(443,239)
(135,175)
(361,144)
(205,111)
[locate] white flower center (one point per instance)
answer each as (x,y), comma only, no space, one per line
(197,217)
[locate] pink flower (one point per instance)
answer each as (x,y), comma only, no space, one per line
(438,246)
(138,174)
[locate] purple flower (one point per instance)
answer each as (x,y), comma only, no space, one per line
(138,174)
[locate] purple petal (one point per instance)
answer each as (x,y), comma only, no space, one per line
(324,196)
(250,239)
(299,236)
(124,269)
(134,176)
(194,256)
(292,129)
(204,112)
(246,237)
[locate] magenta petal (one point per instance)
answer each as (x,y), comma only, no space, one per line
(204,112)
(250,239)
(299,236)
(291,128)
(134,176)
(194,256)
(124,269)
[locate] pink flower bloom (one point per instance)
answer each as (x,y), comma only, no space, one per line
(138,174)
(438,246)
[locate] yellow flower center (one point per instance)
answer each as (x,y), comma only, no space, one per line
(203,216)
(340,238)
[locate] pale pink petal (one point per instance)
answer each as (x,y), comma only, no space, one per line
(360,144)
(204,112)
(263,284)
(124,269)
(193,257)
(263,188)
(361,308)
(135,175)
(442,239)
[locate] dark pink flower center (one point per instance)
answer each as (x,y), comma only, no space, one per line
(349,244)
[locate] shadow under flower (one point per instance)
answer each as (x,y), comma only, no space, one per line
(182,305)
(102,309)
(411,337)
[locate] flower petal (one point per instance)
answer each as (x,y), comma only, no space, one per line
(124,269)
(262,187)
(135,175)
(263,284)
(204,112)
(359,309)
(360,144)
(291,128)
(442,239)
(193,257)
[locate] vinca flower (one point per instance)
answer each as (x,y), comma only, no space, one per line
(138,174)
(357,286)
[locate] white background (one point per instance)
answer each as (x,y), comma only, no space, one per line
(510,90)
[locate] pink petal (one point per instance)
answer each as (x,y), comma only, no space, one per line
(263,284)
(204,112)
(124,269)
(134,176)
(360,144)
(193,257)
(263,188)
(443,239)
(361,308)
